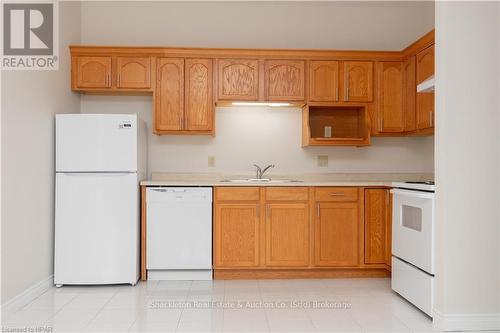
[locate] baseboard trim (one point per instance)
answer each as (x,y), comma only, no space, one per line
(466,322)
(28,295)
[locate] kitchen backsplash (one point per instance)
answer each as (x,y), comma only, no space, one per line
(248,135)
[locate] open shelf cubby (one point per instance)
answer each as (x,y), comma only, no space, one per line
(348,123)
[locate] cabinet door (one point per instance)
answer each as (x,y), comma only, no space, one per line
(376,206)
(425,101)
(358,81)
(133,72)
(287,234)
(236,238)
(409,94)
(199,95)
(336,234)
(388,230)
(238,79)
(93,72)
(169,99)
(284,80)
(323,81)
(390,106)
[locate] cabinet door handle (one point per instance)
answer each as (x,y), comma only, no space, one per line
(118,79)
(347,92)
(337,194)
(337,93)
(108,80)
(317,210)
(381,124)
(431,118)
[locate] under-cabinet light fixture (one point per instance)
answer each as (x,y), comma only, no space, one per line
(259,104)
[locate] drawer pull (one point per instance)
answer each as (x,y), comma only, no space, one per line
(337,194)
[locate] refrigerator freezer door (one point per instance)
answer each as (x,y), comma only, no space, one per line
(97,228)
(96,143)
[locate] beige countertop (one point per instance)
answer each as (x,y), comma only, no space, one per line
(325,179)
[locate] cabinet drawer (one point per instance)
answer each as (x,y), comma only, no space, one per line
(413,284)
(342,194)
(287,193)
(237,194)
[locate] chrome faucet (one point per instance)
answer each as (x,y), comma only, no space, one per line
(260,172)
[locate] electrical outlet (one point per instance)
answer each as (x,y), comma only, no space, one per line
(211,161)
(323,160)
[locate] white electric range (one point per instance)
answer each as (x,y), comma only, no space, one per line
(413,243)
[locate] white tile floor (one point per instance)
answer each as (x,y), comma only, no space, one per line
(336,305)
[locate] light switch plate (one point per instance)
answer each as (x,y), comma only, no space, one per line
(322,161)
(211,161)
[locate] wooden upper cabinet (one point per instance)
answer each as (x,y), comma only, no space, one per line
(236,235)
(425,101)
(336,234)
(358,81)
(133,72)
(425,64)
(169,95)
(199,95)
(92,72)
(323,81)
(238,79)
(390,105)
(376,233)
(287,234)
(284,80)
(409,93)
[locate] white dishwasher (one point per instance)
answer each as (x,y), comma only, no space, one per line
(179,233)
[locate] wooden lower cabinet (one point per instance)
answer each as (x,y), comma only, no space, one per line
(300,232)
(287,234)
(237,235)
(336,234)
(376,202)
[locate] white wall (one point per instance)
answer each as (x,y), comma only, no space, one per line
(335,25)
(29,101)
(245,136)
(467,165)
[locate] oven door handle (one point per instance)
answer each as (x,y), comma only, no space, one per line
(414,194)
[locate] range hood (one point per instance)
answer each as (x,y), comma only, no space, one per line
(426,86)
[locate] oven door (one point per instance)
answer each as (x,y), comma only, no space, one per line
(413,228)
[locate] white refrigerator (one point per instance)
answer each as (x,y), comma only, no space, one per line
(100,160)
